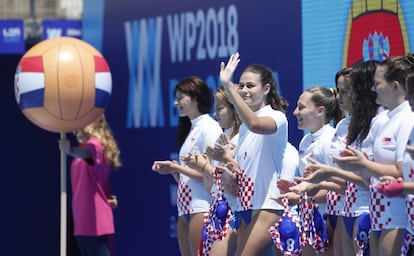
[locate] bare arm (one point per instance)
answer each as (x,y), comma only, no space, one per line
(357,162)
(80,152)
(260,125)
(171,167)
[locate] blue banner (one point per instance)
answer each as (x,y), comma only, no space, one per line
(57,28)
(149,48)
(12,37)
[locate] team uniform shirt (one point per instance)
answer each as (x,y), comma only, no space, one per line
(191,195)
(260,158)
(309,147)
(334,200)
(357,197)
(389,148)
(92,214)
(231,199)
(408,176)
(290,168)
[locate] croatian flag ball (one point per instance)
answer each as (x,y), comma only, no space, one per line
(62,84)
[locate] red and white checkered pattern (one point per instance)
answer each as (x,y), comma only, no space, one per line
(306,211)
(409,201)
(274,232)
(205,245)
(362,247)
(183,197)
(350,199)
(408,242)
(377,205)
(213,233)
(315,240)
(333,203)
(245,191)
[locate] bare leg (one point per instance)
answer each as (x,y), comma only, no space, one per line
(338,233)
(182,236)
(390,242)
(194,232)
(330,249)
(348,245)
(227,246)
(255,237)
(373,244)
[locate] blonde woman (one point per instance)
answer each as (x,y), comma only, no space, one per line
(92,202)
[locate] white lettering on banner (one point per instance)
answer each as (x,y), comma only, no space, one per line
(73,32)
(145,104)
(213,35)
(208,35)
(12,32)
(53,32)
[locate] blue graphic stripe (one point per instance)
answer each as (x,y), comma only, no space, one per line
(102,98)
(132,29)
(92,22)
(32,99)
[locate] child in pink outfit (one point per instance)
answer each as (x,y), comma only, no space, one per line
(92,201)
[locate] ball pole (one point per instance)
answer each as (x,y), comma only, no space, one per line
(63,199)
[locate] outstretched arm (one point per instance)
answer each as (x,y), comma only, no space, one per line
(355,161)
(317,172)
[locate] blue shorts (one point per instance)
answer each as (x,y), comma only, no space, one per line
(238,216)
(349,225)
(333,219)
(186,218)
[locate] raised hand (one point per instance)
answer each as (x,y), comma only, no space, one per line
(227,71)
(223,150)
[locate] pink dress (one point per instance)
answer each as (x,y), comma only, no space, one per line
(92,214)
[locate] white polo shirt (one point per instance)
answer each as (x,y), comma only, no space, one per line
(334,200)
(389,148)
(408,176)
(191,195)
(310,147)
(260,158)
(357,197)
